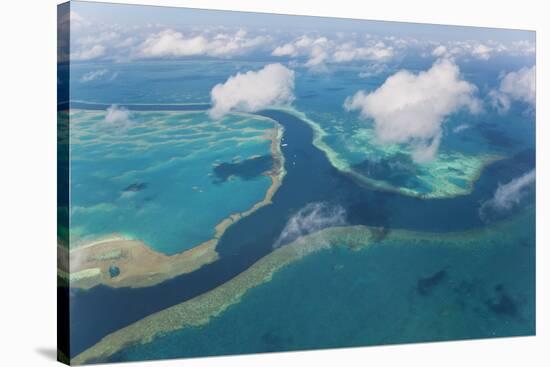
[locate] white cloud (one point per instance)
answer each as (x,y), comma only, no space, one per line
(117,115)
(318,52)
(93,75)
(482,51)
(253,90)
(349,52)
(321,50)
(287,49)
(126,42)
(76,20)
(464,49)
(425,150)
(171,43)
(113,42)
(311,218)
(439,51)
(103,37)
(75,17)
(410,108)
(523,47)
(156,40)
(461,127)
(88,53)
(373,69)
(509,195)
(515,86)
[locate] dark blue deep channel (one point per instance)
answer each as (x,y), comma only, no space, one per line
(310,178)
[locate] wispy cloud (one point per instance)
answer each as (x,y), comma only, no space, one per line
(508,195)
(93,75)
(373,69)
(88,53)
(311,218)
(515,86)
(461,127)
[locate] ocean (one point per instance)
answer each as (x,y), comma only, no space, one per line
(148,183)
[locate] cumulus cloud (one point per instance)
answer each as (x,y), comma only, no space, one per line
(318,53)
(113,42)
(411,108)
(311,218)
(464,48)
(515,86)
(440,51)
(482,50)
(508,196)
(88,53)
(349,52)
(117,115)
(253,90)
(299,46)
(172,43)
(93,75)
(320,50)
(287,49)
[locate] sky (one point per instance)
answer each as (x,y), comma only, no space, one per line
(120,32)
(130,15)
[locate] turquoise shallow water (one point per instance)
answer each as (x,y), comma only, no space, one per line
(156,177)
(354,145)
(321,96)
(384,294)
(167,176)
(388,293)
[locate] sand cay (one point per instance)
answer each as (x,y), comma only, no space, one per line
(119,262)
(136,264)
(201,309)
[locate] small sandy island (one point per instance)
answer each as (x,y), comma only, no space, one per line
(120,262)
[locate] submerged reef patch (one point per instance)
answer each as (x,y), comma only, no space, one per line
(247,169)
(426,285)
(451,174)
(139,264)
(201,309)
(135,187)
(502,303)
